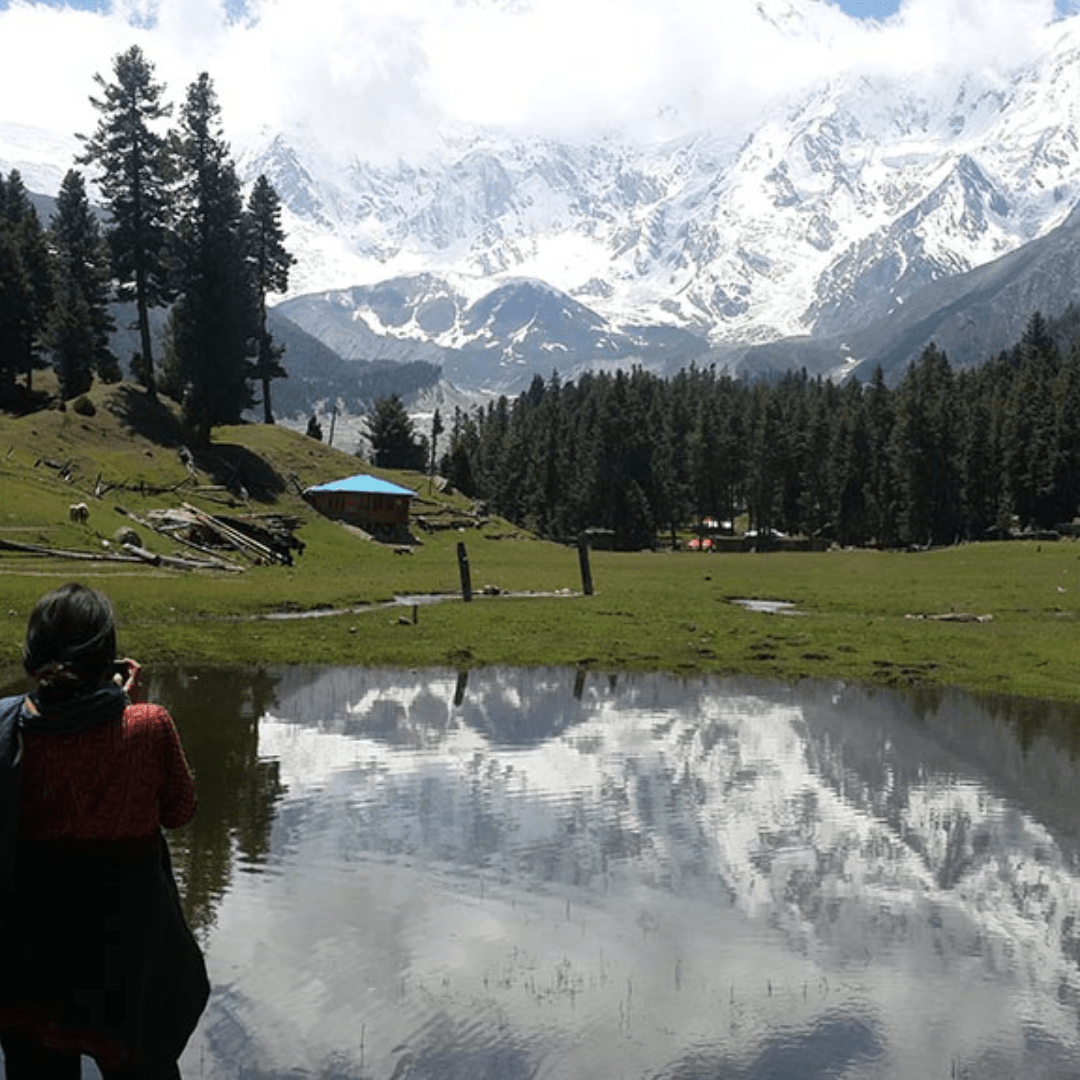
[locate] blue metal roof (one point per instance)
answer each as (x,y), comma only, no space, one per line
(364,484)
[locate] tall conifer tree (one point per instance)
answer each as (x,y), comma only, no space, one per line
(926,453)
(394,442)
(79,322)
(214,320)
(268,263)
(13,289)
(134,163)
(29,289)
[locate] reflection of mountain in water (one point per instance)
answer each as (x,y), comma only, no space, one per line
(848,818)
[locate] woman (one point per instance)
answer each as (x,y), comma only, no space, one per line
(95,955)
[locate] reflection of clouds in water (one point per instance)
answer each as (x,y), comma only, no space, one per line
(686,783)
(634,862)
(681,773)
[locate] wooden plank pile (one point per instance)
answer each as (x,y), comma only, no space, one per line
(263,540)
(259,539)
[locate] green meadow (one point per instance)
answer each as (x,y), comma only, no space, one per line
(996,617)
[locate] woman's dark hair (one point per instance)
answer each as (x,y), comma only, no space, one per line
(70,641)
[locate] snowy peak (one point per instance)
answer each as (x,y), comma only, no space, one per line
(835,212)
(422,307)
(296,187)
(497,341)
(963,221)
(520,308)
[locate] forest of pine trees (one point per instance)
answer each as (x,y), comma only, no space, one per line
(176,234)
(943,457)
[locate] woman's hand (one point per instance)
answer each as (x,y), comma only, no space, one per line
(127,676)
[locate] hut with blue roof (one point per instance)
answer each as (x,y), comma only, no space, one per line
(370,503)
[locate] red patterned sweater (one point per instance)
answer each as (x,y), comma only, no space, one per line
(112,781)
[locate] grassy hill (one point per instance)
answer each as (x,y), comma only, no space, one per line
(991,617)
(125,463)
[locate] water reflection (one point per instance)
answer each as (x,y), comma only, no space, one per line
(536,874)
(218,713)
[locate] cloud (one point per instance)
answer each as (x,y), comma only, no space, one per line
(375,77)
(970,34)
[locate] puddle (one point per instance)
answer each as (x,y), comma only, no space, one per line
(770,607)
(410,600)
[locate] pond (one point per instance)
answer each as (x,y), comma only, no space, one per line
(547,874)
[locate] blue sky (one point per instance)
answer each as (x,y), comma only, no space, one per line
(371,77)
(882,9)
(873,9)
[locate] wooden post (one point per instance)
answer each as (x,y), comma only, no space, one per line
(586,569)
(463,570)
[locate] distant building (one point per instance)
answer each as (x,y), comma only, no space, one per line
(374,505)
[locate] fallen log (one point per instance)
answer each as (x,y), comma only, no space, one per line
(40,549)
(176,562)
(134,555)
(142,553)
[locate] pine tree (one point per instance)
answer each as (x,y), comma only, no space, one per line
(926,452)
(669,426)
(215,317)
(268,263)
(1041,363)
(1067,409)
(79,323)
(13,290)
(849,454)
(727,470)
(458,462)
(980,475)
(880,476)
(135,167)
(15,324)
(394,444)
(1029,437)
(28,290)
(764,468)
(816,507)
(620,460)
(550,456)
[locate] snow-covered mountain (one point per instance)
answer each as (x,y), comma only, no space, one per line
(831,213)
(500,257)
(497,339)
(41,157)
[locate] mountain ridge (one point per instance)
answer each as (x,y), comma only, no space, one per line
(806,236)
